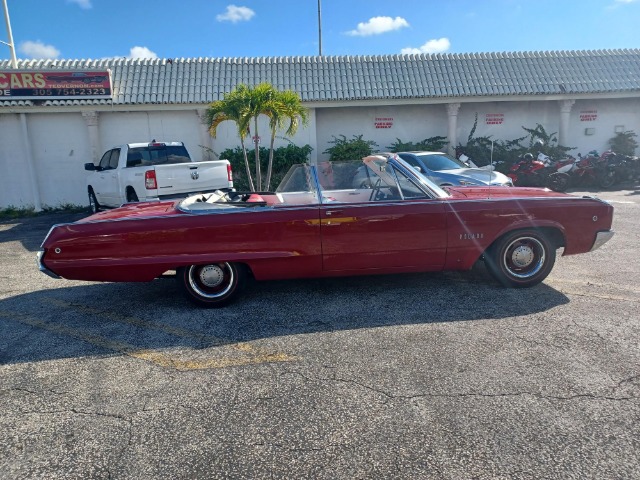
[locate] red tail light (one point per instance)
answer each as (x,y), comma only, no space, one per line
(229,173)
(150,180)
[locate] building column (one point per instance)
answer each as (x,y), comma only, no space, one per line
(31,169)
(565,117)
(91,119)
(206,141)
(452,112)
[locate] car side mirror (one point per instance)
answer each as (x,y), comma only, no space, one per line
(90,166)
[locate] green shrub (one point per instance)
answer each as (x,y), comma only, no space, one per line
(431,144)
(354,149)
(624,143)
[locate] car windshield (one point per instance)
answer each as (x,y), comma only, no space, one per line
(441,161)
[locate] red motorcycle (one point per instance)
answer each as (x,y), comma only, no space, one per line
(594,169)
(530,172)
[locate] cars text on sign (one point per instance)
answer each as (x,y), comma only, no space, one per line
(55,84)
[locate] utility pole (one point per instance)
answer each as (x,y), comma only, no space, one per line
(319,27)
(14,60)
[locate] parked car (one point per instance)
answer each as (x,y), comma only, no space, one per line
(151,171)
(445,170)
(317,225)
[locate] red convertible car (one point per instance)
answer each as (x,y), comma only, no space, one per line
(322,223)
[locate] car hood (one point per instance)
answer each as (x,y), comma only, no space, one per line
(480,175)
(503,192)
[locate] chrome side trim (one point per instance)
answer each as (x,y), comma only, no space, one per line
(601,239)
(42,268)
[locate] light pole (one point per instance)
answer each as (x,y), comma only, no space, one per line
(14,60)
(319,27)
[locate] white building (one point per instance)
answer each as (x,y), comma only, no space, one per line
(584,96)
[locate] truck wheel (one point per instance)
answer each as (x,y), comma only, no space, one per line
(132,196)
(94,206)
(522,258)
(213,285)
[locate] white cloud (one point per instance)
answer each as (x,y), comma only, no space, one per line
(378,25)
(38,50)
(235,14)
(84,4)
(142,52)
(626,1)
(432,46)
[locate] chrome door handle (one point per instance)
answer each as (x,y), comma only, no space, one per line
(332,212)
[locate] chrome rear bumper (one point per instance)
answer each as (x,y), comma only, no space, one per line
(41,266)
(601,239)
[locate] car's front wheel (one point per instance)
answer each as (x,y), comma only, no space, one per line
(212,285)
(522,258)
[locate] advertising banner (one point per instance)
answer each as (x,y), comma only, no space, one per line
(54,84)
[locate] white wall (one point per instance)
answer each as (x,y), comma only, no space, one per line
(411,123)
(15,189)
(60,141)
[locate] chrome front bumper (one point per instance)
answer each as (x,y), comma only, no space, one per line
(601,239)
(41,266)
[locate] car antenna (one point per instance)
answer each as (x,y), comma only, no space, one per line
(490,167)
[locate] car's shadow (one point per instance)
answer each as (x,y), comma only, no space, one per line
(90,319)
(30,231)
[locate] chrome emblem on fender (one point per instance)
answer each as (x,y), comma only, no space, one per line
(195,175)
(471,236)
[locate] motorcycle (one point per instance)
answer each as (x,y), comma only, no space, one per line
(540,172)
(594,169)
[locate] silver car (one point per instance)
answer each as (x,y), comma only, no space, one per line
(445,170)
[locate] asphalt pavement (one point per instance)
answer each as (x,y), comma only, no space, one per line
(406,376)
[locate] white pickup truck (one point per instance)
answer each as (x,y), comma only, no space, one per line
(152,171)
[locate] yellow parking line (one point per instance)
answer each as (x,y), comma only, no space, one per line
(152,356)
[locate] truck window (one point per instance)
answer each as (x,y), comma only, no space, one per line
(113,160)
(169,154)
(104,161)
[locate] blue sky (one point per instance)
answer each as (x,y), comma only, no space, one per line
(83,29)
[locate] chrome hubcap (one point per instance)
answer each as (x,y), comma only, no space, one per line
(211,276)
(522,256)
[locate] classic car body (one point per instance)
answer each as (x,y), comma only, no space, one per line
(317,225)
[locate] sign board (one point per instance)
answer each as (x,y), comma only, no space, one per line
(588,115)
(383,122)
(54,84)
(494,118)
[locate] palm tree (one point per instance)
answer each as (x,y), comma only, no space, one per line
(244,105)
(258,102)
(284,106)
(233,108)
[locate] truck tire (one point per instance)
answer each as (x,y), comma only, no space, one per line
(94,206)
(131,195)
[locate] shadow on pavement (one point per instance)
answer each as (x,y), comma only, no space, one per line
(65,322)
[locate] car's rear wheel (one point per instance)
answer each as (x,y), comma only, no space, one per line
(522,258)
(212,285)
